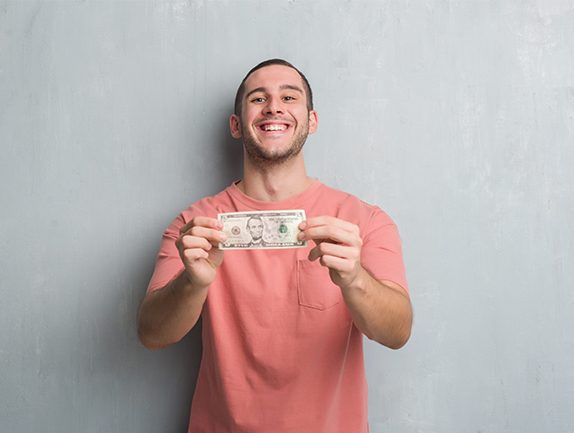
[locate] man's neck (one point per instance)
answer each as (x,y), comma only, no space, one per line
(273,184)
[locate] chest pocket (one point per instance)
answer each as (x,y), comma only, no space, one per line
(314,286)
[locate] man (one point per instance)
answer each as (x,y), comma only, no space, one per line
(282,329)
(255,228)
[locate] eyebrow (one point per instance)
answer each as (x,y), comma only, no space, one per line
(282,87)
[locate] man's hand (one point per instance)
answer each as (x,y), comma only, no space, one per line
(198,248)
(167,314)
(380,309)
(338,247)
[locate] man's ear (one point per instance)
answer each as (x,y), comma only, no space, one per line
(313,121)
(235,126)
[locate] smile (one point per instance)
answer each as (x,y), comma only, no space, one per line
(273,127)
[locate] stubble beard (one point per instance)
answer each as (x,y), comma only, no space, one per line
(266,158)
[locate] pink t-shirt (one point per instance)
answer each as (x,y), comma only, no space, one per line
(280,351)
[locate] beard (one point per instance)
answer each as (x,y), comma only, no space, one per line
(263,157)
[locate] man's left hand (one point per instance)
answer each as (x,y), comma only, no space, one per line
(338,246)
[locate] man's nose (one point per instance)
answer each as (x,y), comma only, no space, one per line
(273,106)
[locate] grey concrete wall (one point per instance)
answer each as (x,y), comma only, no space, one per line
(456,117)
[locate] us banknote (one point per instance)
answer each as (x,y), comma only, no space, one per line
(265,229)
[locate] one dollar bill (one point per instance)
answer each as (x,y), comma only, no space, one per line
(260,230)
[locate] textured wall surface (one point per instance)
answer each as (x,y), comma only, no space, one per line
(456,117)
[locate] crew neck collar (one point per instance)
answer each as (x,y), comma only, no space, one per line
(290,203)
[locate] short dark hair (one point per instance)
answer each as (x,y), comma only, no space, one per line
(270,62)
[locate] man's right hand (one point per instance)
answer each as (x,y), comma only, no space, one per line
(166,315)
(198,245)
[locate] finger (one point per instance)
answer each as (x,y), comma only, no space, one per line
(212,235)
(329,228)
(193,248)
(201,221)
(337,264)
(333,233)
(327,220)
(345,252)
(194,242)
(191,255)
(341,266)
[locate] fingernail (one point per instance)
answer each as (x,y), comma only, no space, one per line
(303,225)
(222,237)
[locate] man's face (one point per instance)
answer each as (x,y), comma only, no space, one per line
(255,228)
(275,120)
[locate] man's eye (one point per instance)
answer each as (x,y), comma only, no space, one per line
(258,100)
(289,98)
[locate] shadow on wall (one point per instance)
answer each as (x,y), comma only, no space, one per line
(170,375)
(112,369)
(232,149)
(153,388)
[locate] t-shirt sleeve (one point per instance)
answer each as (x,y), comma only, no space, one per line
(382,252)
(168,264)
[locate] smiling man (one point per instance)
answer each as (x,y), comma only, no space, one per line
(282,328)
(285,130)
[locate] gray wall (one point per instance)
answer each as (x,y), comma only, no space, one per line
(456,117)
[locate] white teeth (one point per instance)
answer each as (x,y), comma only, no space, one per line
(274,127)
